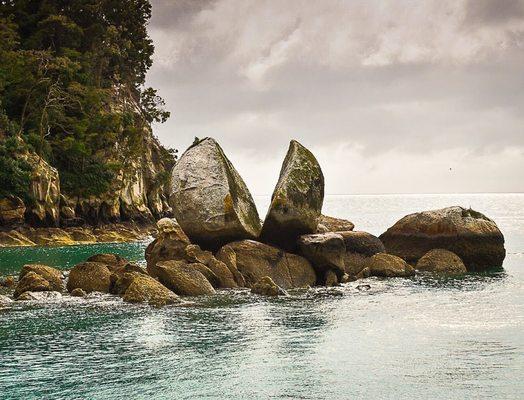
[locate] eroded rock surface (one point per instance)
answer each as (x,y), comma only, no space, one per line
(442,262)
(297,200)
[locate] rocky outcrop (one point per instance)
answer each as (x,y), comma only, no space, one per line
(297,199)
(90,277)
(52,275)
(387,265)
(141,288)
(266,287)
(440,261)
(325,251)
(183,279)
(332,224)
(254,260)
(12,211)
(472,236)
(360,246)
(209,198)
(5,301)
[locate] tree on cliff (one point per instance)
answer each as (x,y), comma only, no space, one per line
(72,76)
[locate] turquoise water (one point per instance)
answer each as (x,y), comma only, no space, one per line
(401,339)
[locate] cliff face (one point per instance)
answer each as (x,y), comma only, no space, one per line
(138,191)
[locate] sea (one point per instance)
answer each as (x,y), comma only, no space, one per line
(397,338)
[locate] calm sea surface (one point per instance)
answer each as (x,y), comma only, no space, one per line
(416,338)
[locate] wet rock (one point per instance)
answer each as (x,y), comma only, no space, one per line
(209,198)
(170,244)
(91,277)
(12,210)
(5,301)
(472,236)
(78,292)
(183,279)
(296,201)
(31,282)
(266,287)
(388,265)
(254,260)
(145,289)
(209,275)
(8,282)
(40,296)
(360,246)
(325,251)
(441,261)
(332,224)
(228,256)
(15,239)
(52,275)
(330,278)
(363,287)
(50,237)
(365,273)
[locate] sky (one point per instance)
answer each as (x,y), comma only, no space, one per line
(398,96)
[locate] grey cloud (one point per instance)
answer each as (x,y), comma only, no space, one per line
(168,14)
(493,11)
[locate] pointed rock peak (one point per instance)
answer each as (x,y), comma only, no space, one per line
(210,200)
(297,200)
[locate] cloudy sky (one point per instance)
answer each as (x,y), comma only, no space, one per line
(391,96)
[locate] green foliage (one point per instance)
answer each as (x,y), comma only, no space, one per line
(15,172)
(72,78)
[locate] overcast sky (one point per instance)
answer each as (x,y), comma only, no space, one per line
(391,96)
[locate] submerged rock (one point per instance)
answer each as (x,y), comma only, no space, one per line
(145,289)
(5,301)
(40,296)
(210,200)
(332,224)
(78,292)
(325,251)
(360,246)
(183,279)
(388,265)
(297,199)
(472,236)
(52,275)
(90,277)
(266,287)
(441,261)
(254,260)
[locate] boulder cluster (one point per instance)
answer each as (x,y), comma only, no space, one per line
(218,241)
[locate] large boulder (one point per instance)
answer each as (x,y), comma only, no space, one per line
(31,282)
(440,261)
(360,246)
(183,279)
(141,288)
(332,224)
(51,275)
(254,260)
(91,277)
(113,261)
(472,236)
(170,244)
(12,210)
(210,200)
(325,251)
(388,265)
(296,201)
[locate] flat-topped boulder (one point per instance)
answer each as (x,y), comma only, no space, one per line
(472,236)
(210,200)
(360,246)
(254,260)
(442,262)
(332,224)
(325,251)
(297,200)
